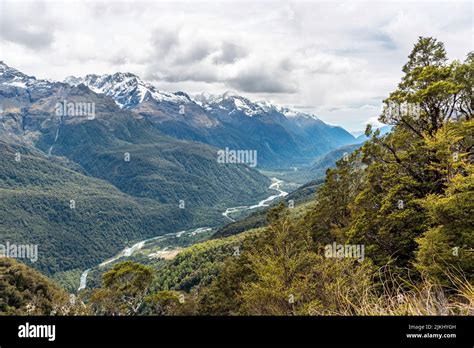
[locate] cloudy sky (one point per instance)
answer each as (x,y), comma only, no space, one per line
(337,60)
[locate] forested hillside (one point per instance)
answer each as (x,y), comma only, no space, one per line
(37,194)
(24,291)
(390,231)
(405,200)
(83,188)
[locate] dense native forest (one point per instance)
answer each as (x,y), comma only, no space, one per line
(405,200)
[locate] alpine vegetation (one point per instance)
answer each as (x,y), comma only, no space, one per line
(220,161)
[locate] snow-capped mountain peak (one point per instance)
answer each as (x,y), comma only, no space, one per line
(13,77)
(228,101)
(73,81)
(287,112)
(232,102)
(127,89)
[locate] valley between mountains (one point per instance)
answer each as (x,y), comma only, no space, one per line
(135,210)
(168,246)
(144,165)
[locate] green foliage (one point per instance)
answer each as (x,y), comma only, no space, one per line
(446,248)
(24,291)
(35,209)
(383,196)
(440,91)
(282,273)
(406,196)
(164,303)
(426,52)
(68,280)
(291,278)
(199,264)
(330,216)
(124,290)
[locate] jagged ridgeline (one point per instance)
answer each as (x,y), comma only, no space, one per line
(81,187)
(281,136)
(404,200)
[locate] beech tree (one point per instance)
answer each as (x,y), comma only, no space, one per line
(124,290)
(429,94)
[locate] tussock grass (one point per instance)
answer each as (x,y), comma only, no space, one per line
(397,296)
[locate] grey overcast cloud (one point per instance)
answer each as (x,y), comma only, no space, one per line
(338,60)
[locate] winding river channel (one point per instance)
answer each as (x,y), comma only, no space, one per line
(276,184)
(127,252)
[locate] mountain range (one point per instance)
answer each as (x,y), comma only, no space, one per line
(128,180)
(144,164)
(281,136)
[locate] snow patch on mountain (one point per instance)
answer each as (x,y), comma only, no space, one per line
(127,89)
(15,78)
(228,101)
(233,103)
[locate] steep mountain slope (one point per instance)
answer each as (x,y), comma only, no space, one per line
(124,149)
(149,183)
(37,193)
(24,291)
(329,160)
(281,137)
(127,89)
